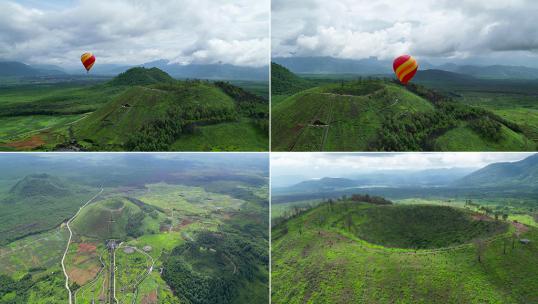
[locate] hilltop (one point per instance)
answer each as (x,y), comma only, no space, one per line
(350,251)
(39,185)
(141,76)
(285,82)
(371,114)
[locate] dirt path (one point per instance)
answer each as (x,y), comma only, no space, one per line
(69,242)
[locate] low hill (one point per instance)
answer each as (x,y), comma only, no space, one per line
(39,185)
(285,82)
(350,252)
(440,75)
(518,174)
(378,114)
(141,76)
(37,203)
(153,116)
(114,218)
(340,117)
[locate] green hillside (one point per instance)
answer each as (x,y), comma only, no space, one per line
(114,218)
(140,109)
(346,116)
(353,252)
(141,76)
(39,184)
(381,115)
(153,117)
(37,203)
(285,82)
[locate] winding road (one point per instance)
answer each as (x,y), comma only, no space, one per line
(69,242)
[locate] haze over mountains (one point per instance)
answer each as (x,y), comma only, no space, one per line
(520,174)
(373,66)
(198,71)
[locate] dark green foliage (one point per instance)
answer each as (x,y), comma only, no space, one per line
(233,260)
(376,200)
(487,127)
(248,105)
(20,287)
(410,226)
(417,131)
(134,224)
(141,76)
(285,82)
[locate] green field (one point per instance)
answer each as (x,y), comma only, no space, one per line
(321,256)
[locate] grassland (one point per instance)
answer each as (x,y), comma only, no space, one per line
(320,256)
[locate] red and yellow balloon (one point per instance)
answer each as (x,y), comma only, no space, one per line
(87,60)
(405,68)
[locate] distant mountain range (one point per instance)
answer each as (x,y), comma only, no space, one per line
(498,176)
(198,71)
(373,66)
(395,178)
(19,69)
(518,174)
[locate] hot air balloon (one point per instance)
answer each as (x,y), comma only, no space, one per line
(87,60)
(405,68)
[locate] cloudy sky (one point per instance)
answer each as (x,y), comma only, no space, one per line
(135,31)
(317,165)
(472,31)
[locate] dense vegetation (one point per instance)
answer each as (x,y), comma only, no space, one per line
(229,260)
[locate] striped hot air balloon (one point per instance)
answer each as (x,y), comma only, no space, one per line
(405,68)
(87,60)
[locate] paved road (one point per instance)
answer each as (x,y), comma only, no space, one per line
(69,242)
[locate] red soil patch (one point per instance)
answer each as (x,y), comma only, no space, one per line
(185,222)
(30,143)
(520,227)
(86,248)
(82,276)
(150,298)
(482,217)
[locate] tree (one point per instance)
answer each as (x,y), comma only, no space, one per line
(505,216)
(480,246)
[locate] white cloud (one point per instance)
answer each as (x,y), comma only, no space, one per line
(316,165)
(386,28)
(134,31)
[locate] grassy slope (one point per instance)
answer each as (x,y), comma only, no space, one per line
(322,264)
(95,219)
(229,136)
(464,138)
(354,120)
